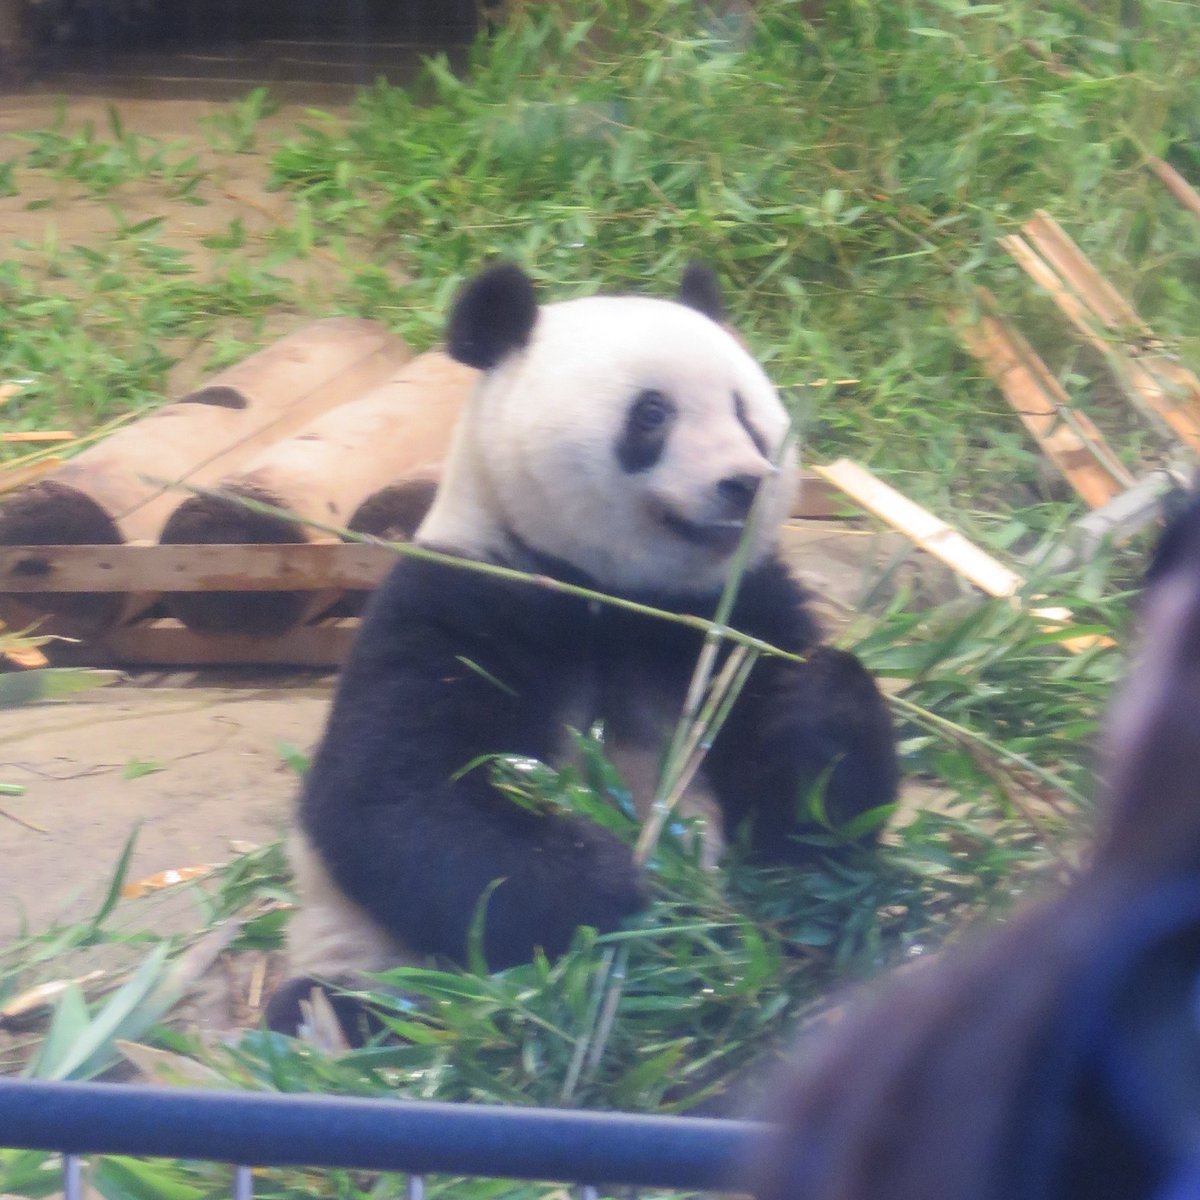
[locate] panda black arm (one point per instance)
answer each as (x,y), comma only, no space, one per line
(450,666)
(797,726)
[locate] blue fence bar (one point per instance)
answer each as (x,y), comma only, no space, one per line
(417,1137)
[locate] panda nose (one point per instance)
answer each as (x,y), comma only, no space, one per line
(737,492)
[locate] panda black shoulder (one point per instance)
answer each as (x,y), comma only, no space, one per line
(456,596)
(773,605)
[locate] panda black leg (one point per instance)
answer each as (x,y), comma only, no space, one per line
(796,727)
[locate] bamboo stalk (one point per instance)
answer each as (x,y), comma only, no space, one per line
(1165,391)
(1176,185)
(1067,437)
(929,532)
(38,435)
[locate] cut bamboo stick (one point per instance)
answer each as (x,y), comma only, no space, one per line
(1074,267)
(38,435)
(1067,437)
(119,489)
(929,532)
(945,543)
(1176,185)
(382,450)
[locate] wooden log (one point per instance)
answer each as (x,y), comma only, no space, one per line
(369,465)
(120,489)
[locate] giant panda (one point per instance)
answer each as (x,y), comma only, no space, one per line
(618,443)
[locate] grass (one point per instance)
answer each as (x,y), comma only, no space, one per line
(848,176)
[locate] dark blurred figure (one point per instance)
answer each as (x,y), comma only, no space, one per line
(1057,1057)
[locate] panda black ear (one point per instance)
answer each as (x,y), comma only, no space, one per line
(493,315)
(699,289)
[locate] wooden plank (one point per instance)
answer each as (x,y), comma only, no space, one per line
(228,568)
(929,532)
(1058,248)
(1067,437)
(169,643)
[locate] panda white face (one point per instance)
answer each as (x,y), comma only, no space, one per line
(625,436)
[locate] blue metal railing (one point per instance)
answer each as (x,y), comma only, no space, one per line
(416,1138)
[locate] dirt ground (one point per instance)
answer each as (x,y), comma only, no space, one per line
(218,778)
(215,780)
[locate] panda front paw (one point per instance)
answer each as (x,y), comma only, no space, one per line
(808,749)
(323,1012)
(577,874)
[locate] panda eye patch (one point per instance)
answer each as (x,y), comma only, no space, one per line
(647,424)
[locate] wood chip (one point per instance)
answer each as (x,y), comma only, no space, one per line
(25,656)
(166,879)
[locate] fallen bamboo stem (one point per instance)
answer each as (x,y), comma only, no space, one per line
(38,435)
(929,532)
(946,544)
(1176,185)
(1067,437)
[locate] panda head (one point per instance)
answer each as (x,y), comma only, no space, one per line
(625,436)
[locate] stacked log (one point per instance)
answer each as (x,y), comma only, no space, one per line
(120,490)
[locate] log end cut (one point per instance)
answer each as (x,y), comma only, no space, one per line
(216,521)
(47,513)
